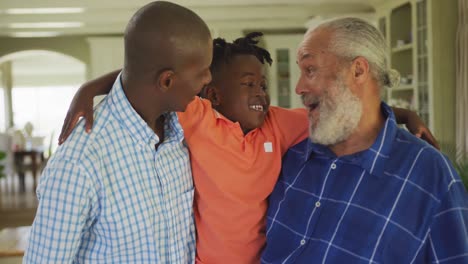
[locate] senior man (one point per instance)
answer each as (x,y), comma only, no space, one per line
(361,189)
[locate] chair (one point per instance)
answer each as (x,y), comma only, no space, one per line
(5,146)
(49,152)
(30,159)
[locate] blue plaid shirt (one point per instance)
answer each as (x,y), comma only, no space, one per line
(398,202)
(110,197)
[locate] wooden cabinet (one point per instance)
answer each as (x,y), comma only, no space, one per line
(421,39)
(401,56)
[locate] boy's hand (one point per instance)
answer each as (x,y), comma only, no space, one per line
(417,127)
(81,106)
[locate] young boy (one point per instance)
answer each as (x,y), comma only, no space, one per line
(236,142)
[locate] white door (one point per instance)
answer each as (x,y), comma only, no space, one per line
(284,72)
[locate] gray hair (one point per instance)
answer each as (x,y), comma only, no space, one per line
(353,37)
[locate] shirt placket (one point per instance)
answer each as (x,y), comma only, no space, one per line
(167,200)
(150,179)
(318,208)
(161,234)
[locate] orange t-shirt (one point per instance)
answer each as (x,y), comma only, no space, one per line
(234,175)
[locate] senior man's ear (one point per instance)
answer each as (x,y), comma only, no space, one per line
(361,70)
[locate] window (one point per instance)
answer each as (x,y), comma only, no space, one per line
(44,107)
(3,104)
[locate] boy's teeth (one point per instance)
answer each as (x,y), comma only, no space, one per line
(257,107)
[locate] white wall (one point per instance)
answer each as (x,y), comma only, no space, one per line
(107,54)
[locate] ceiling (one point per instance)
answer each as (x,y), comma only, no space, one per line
(26,18)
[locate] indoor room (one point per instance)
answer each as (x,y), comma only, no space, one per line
(50,48)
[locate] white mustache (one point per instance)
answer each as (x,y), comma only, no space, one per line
(308,99)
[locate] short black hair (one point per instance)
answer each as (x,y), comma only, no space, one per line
(155,35)
(224,51)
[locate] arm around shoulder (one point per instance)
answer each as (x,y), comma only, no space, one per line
(292,125)
(82,103)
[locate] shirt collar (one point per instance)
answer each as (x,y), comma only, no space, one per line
(134,124)
(172,128)
(373,159)
(236,128)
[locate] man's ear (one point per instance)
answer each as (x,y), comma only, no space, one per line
(360,69)
(165,80)
(212,93)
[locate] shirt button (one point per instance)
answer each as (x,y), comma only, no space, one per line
(333,166)
(303,242)
(317,204)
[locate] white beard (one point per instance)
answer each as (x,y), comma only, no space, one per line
(338,117)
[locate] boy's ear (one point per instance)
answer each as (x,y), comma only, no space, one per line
(165,80)
(211,93)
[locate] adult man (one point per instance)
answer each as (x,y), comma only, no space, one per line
(360,189)
(124,194)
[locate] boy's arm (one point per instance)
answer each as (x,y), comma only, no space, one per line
(298,118)
(415,125)
(82,103)
(67,207)
(291,126)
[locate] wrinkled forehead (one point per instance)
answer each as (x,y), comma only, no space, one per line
(303,52)
(302,47)
(315,42)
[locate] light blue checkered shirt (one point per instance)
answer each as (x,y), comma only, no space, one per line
(110,197)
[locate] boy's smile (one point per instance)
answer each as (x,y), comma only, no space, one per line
(240,92)
(258,108)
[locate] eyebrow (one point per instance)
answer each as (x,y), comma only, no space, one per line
(305,56)
(250,74)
